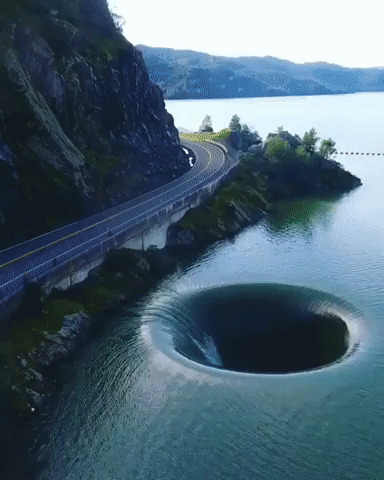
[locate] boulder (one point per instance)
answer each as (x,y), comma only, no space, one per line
(61,345)
(293,140)
(256,148)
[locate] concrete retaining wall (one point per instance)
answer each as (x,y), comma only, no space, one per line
(73,266)
(152,232)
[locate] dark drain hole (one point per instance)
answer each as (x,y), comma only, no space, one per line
(261,328)
(248,331)
(289,346)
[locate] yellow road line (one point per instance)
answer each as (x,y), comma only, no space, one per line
(14,260)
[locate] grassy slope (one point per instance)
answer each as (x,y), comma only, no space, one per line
(205,136)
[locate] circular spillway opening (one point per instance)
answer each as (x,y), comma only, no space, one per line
(270,329)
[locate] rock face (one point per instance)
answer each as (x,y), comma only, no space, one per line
(294,141)
(60,346)
(39,368)
(81,125)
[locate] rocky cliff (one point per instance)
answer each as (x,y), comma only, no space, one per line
(81,125)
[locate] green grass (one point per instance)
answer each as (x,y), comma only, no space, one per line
(38,317)
(205,136)
(96,297)
(27,334)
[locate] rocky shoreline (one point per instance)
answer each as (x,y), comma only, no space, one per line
(31,379)
(262,179)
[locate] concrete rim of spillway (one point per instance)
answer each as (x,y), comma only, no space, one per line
(257,329)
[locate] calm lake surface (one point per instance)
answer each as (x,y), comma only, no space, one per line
(138,409)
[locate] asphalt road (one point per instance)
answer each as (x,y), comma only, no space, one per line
(35,258)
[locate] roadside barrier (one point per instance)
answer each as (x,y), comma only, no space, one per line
(50,258)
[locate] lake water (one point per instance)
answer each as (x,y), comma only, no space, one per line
(143,403)
(354,121)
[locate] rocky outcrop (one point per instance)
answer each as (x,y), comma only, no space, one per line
(226,224)
(84,126)
(261,180)
(60,346)
(293,141)
(293,172)
(124,275)
(37,371)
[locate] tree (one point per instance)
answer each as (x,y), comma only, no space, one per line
(327,148)
(118,20)
(206,124)
(310,140)
(234,124)
(302,155)
(248,137)
(279,149)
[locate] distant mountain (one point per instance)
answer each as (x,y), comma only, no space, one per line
(189,74)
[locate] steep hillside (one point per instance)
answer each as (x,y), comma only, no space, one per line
(82,127)
(188,74)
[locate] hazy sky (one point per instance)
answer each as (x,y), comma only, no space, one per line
(337,31)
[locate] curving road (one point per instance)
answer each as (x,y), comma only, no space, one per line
(37,257)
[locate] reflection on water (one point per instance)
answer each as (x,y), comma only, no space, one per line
(300,216)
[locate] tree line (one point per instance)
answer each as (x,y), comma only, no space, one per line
(277,147)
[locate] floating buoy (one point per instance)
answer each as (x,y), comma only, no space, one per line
(359,153)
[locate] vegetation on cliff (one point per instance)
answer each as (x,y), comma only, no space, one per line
(82,127)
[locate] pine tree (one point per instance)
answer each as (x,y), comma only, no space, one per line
(206,124)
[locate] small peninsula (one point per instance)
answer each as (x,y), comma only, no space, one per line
(284,166)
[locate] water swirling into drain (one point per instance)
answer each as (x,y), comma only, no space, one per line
(267,328)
